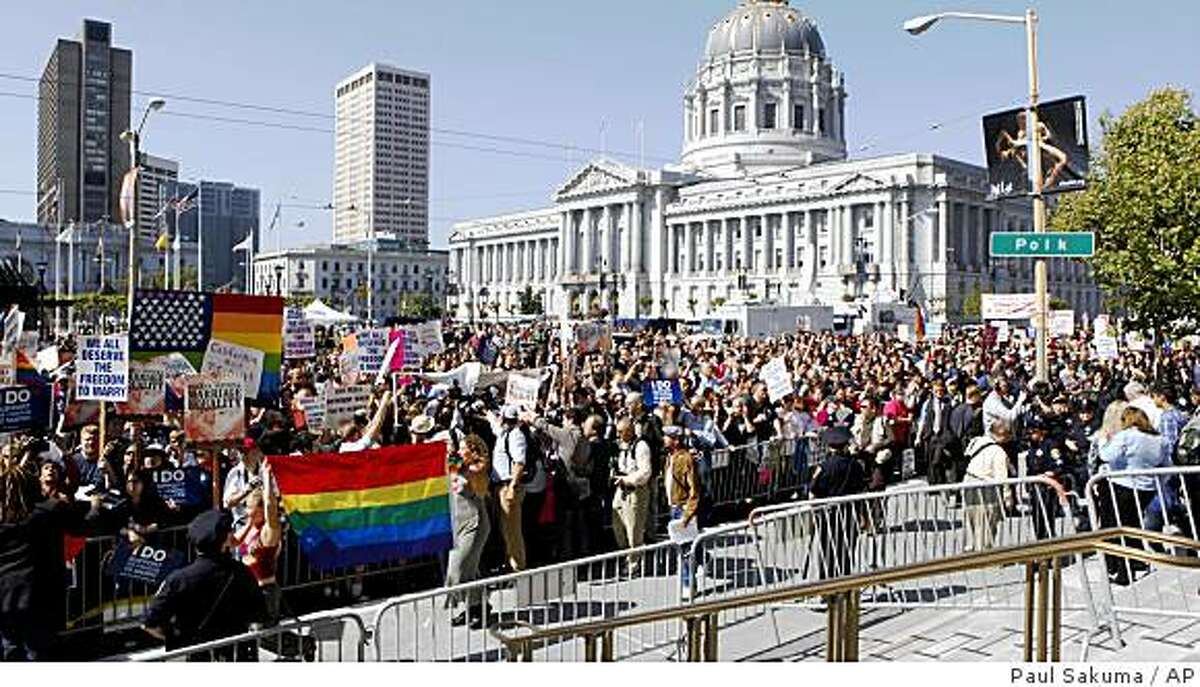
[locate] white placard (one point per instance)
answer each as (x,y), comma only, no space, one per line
(14,322)
(299,336)
(1135,342)
(147,390)
(102,368)
(465,375)
(426,339)
(313,408)
(371,345)
(239,362)
(1008,306)
(341,403)
(1062,323)
(1003,334)
(1105,348)
(522,391)
(47,359)
(778,379)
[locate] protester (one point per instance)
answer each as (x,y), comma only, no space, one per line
(683,496)
(470,472)
(631,474)
(508,485)
(987,461)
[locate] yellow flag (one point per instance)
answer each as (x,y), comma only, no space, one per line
(162,243)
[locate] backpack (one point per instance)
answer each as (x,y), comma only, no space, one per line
(1187,451)
(534,455)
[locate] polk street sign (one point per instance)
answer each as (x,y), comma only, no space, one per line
(1024,244)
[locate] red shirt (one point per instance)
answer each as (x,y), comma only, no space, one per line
(898,412)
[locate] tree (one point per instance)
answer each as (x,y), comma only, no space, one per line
(972,304)
(645,303)
(1143,204)
(419,306)
(530,303)
(717,303)
(692,303)
(298,301)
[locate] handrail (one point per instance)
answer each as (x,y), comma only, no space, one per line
(698,614)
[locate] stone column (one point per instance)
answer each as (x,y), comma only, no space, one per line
(636,233)
(709,252)
(943,229)
(727,240)
(605,236)
(790,220)
(747,244)
(981,224)
(768,265)
(589,242)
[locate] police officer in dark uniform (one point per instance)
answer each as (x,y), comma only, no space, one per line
(1044,455)
(213,597)
(841,474)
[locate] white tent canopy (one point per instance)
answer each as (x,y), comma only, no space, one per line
(319,313)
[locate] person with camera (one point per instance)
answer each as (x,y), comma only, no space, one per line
(508,482)
(32,574)
(631,473)
(242,480)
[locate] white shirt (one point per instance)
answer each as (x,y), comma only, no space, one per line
(509,452)
(990,462)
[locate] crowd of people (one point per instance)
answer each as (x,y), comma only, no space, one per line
(593,467)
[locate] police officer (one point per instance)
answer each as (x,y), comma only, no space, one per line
(213,597)
(1045,456)
(840,474)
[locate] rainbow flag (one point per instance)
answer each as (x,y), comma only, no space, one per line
(367,507)
(166,322)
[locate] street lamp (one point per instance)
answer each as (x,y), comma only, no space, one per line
(1029,20)
(134,138)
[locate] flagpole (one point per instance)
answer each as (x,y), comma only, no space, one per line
(199,238)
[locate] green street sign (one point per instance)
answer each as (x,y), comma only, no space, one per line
(1025,244)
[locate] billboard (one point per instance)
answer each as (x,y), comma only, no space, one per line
(1064,142)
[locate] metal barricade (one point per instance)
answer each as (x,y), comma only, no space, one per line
(760,472)
(792,544)
(1162,499)
(321,637)
(458,624)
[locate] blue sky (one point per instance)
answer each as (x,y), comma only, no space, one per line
(559,72)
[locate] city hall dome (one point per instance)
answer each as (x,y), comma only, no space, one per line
(765,26)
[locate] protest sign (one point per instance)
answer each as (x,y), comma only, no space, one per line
(143,563)
(22,408)
(8,368)
(426,339)
(1135,342)
(1101,326)
(656,391)
(214,408)
(1062,323)
(102,368)
(47,359)
(465,376)
(1008,306)
(593,337)
(147,390)
(341,403)
(299,336)
(777,378)
(14,322)
(1003,334)
(314,411)
(522,391)
(239,362)
(398,349)
(181,485)
(371,346)
(1104,348)
(348,367)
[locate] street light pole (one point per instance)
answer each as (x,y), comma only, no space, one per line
(134,138)
(919,25)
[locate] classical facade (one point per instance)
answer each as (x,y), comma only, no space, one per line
(765,207)
(338,275)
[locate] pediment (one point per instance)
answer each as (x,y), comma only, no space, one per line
(597,178)
(859,183)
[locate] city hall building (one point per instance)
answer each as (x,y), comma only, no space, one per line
(764,206)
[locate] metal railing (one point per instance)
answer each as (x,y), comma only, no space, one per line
(1161,499)
(95,600)
(456,623)
(336,636)
(1042,600)
(762,471)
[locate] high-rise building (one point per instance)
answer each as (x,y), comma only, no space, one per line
(381,157)
(83,106)
(157,180)
(225,214)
